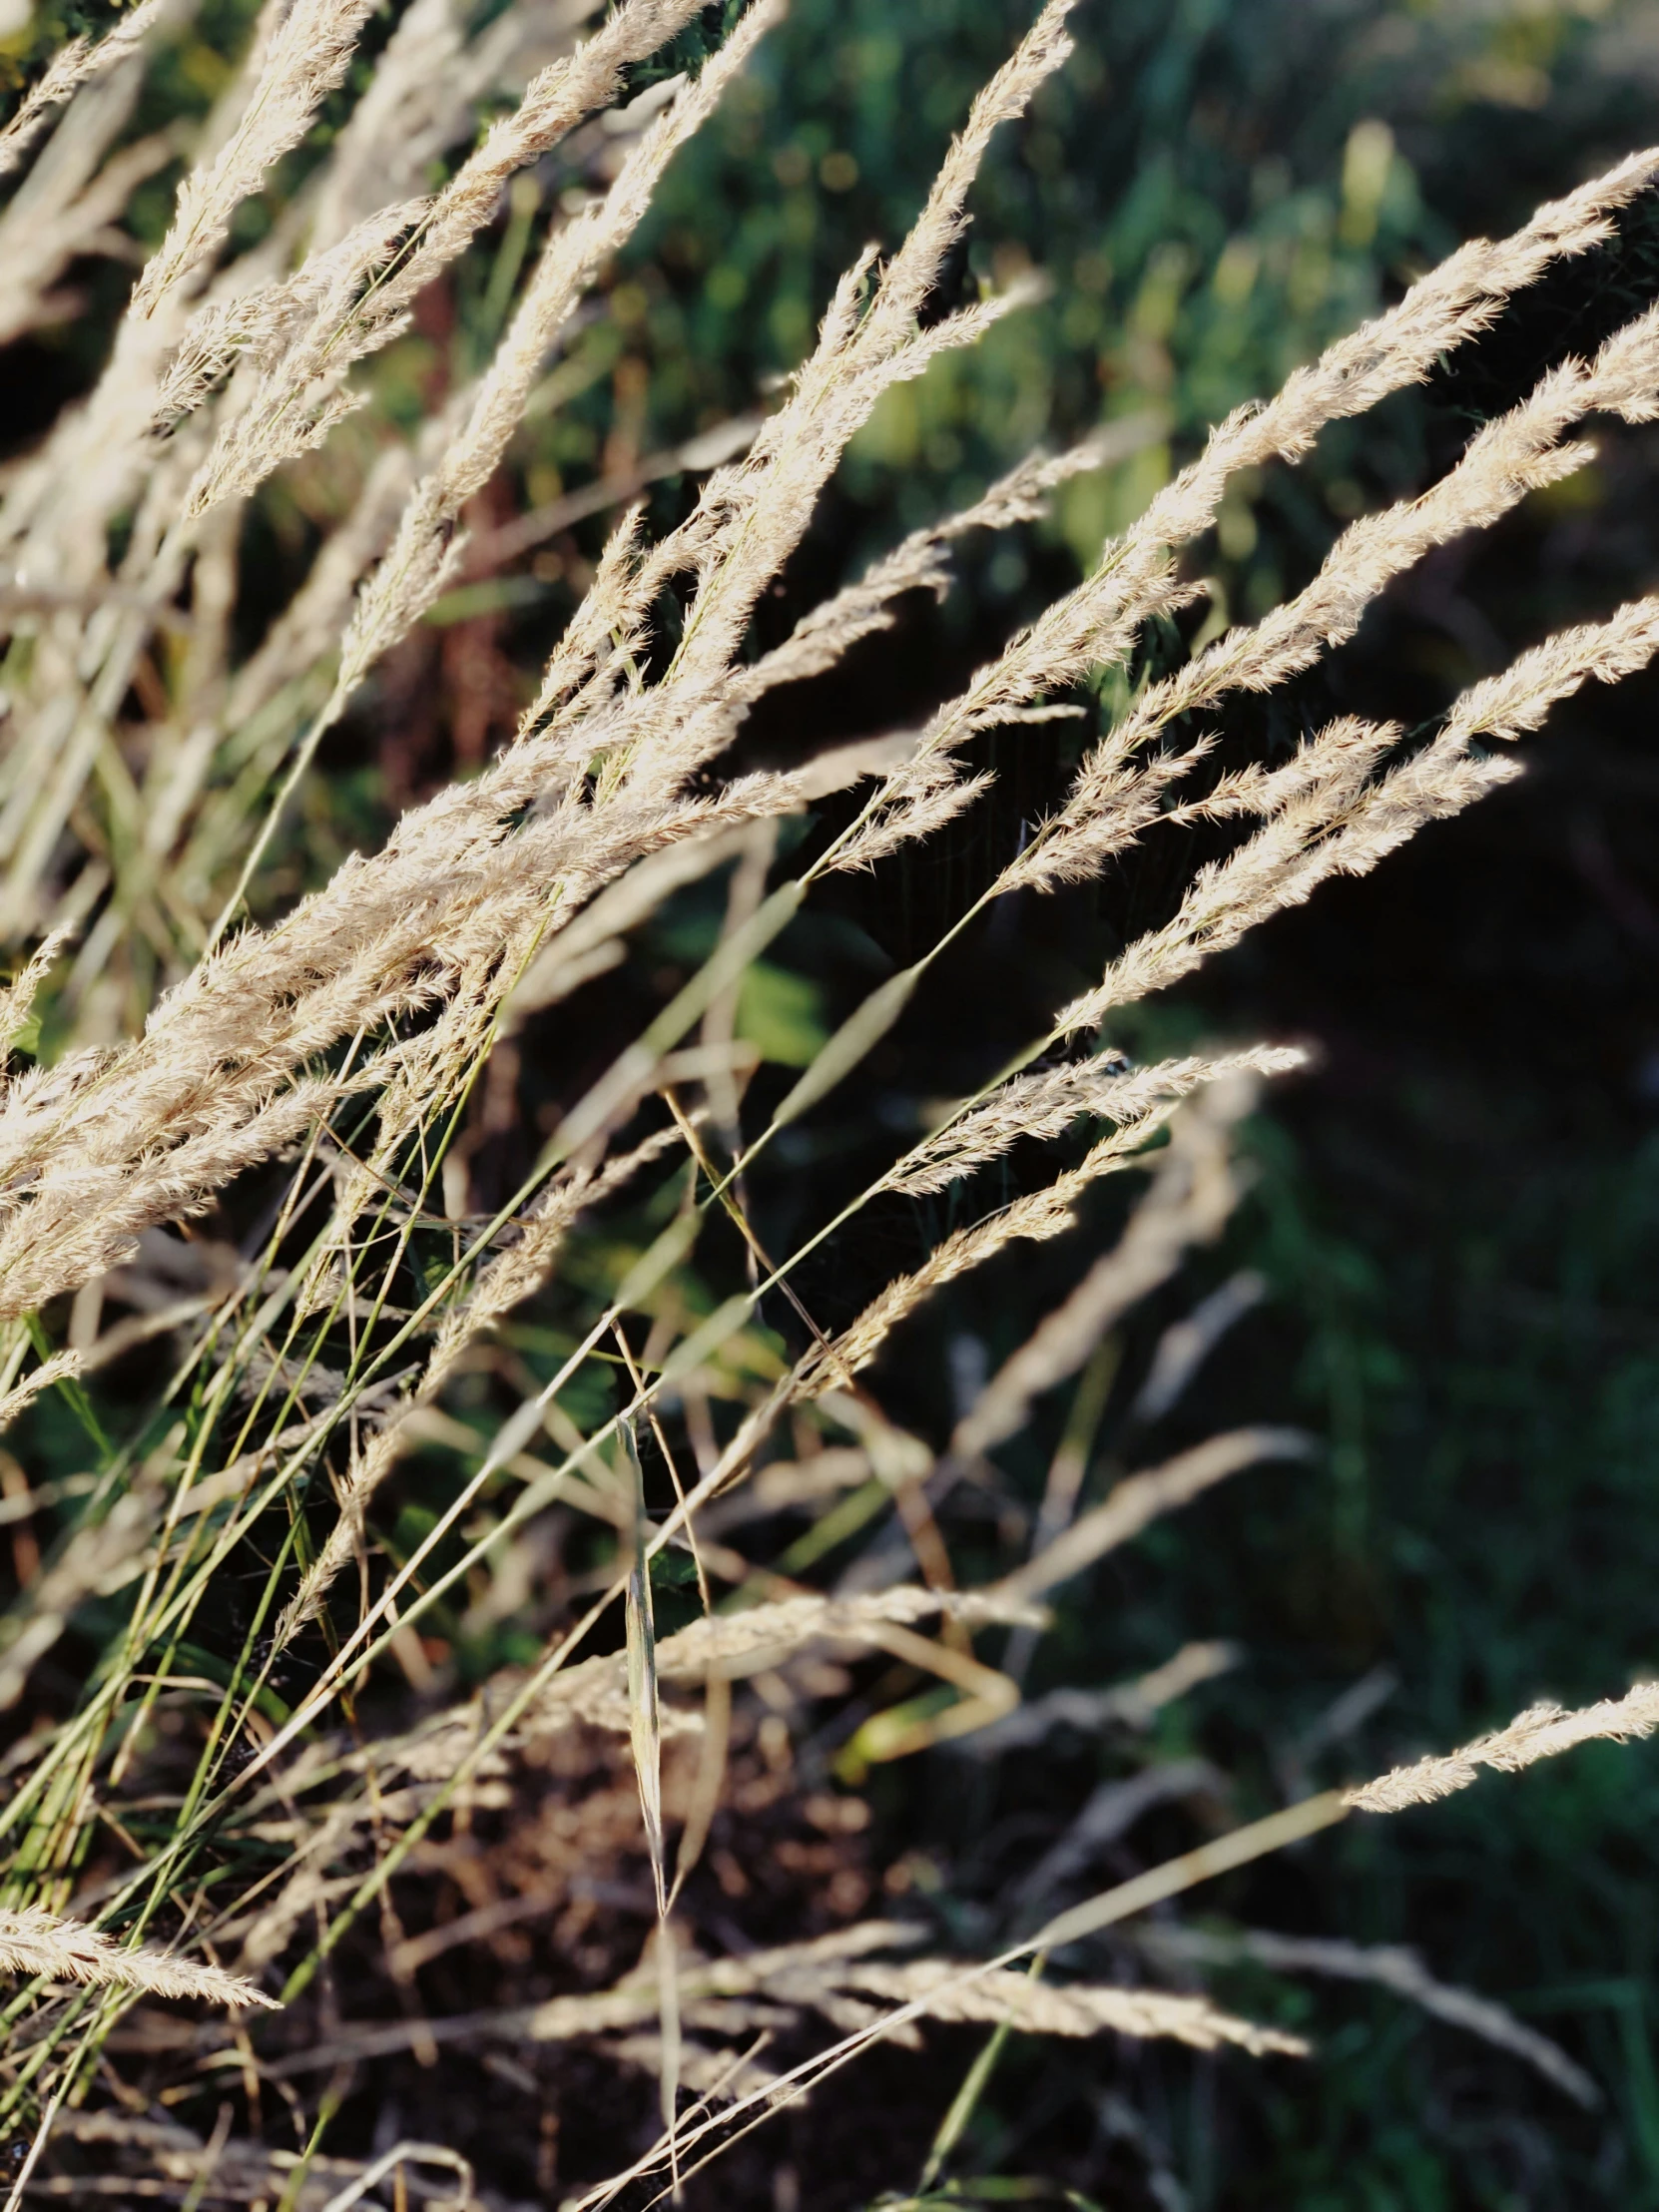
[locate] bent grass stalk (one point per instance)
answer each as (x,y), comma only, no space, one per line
(411,958)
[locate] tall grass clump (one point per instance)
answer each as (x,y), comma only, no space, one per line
(471,1545)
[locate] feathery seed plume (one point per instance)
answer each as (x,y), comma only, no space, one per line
(76,62)
(35,1942)
(1539,1732)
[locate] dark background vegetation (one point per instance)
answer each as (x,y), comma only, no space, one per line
(1455,1208)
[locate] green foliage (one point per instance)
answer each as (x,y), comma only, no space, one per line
(780,1015)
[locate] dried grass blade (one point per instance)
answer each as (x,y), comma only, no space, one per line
(1390,1967)
(1222,1855)
(645,1735)
(1143,1498)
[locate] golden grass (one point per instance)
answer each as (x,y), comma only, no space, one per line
(353,1036)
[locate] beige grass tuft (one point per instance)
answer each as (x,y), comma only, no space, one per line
(35,1942)
(368,1032)
(1542,1731)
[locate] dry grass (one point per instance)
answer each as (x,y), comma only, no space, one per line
(293,1829)
(1542,1731)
